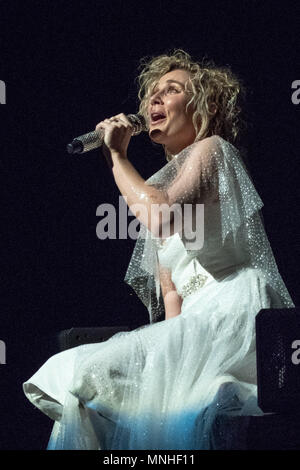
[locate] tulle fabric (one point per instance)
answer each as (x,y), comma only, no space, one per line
(208,172)
(184,383)
(188,382)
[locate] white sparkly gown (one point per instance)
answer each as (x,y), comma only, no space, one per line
(170,369)
(163,386)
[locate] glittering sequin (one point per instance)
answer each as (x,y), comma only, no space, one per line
(159,386)
(210,171)
(195,283)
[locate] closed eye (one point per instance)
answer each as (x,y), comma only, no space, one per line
(172,88)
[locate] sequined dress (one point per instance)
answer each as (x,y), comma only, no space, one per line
(172,370)
(176,383)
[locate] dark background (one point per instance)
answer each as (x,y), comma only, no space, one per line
(68,65)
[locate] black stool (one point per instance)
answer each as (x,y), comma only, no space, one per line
(278,378)
(73,337)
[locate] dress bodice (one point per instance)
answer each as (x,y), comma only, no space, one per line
(214,260)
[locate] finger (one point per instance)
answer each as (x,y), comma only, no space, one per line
(106,121)
(119,123)
(124,118)
(99,127)
(116,124)
(103,124)
(112,119)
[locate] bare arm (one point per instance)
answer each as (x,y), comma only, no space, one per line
(138,195)
(172,299)
(141,197)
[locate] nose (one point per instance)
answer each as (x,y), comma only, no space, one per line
(156,98)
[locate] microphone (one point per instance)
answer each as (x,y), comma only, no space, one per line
(94,139)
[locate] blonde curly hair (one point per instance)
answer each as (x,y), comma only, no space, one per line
(211,85)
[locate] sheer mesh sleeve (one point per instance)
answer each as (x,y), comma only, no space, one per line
(210,170)
(197,180)
(190,178)
(166,282)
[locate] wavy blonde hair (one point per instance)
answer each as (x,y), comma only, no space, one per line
(210,85)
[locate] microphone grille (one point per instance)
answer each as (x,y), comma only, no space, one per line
(138,122)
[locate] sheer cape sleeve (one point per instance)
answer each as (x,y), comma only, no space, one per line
(208,170)
(166,283)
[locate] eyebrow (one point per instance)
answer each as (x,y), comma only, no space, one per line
(170,81)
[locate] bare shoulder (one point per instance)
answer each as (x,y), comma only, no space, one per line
(207,142)
(206,149)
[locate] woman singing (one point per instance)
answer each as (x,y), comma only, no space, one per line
(203,267)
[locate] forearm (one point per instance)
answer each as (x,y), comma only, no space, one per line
(138,195)
(172,302)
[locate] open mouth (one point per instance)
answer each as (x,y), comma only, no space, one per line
(156,118)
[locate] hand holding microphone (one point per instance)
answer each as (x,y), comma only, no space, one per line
(117,133)
(114,132)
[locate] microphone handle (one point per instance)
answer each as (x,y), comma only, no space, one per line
(92,140)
